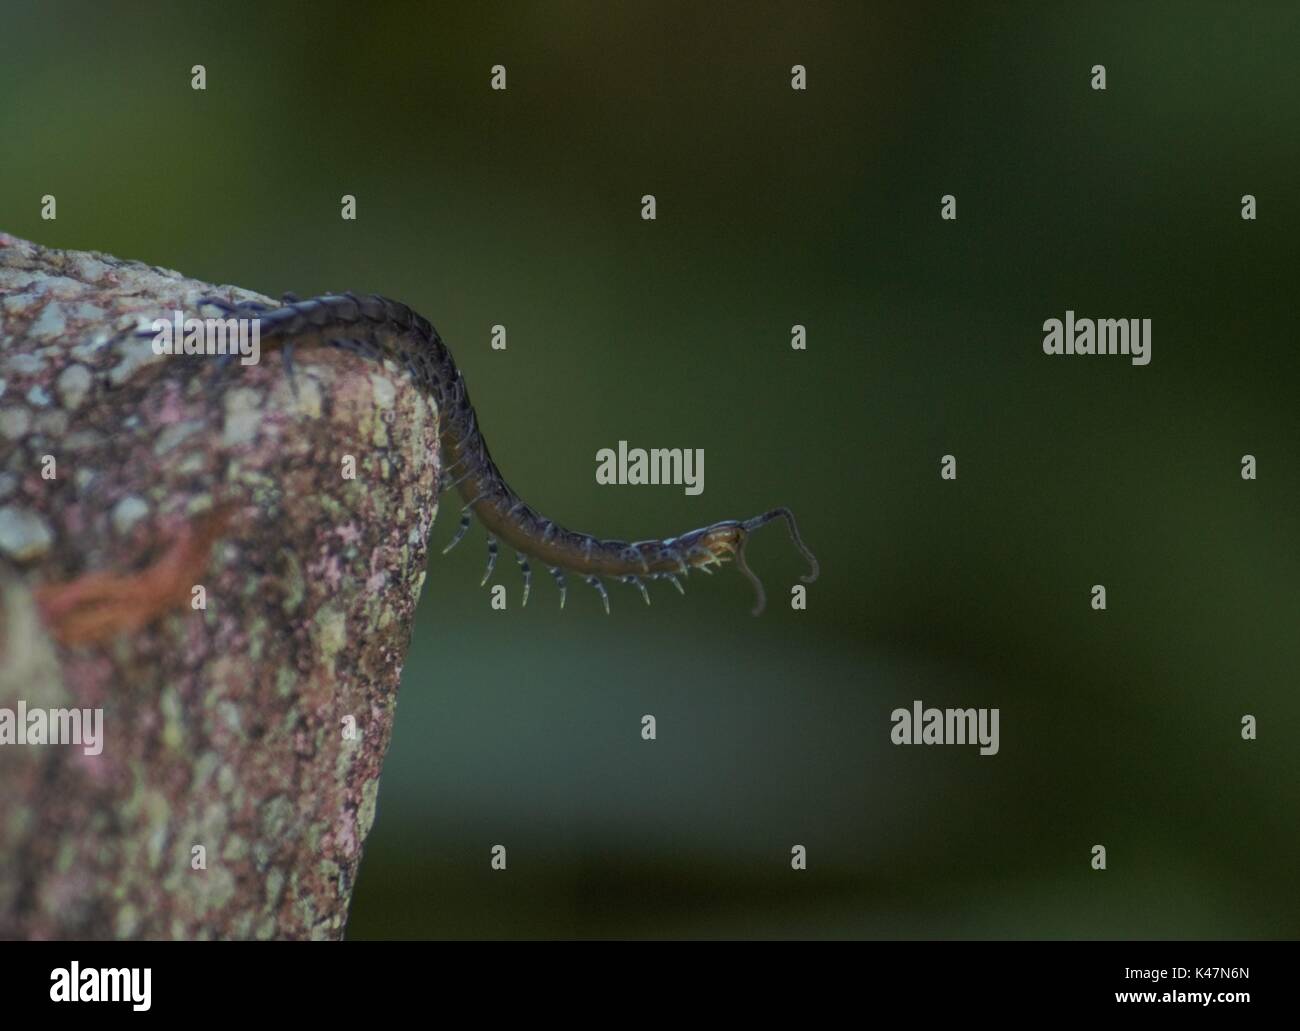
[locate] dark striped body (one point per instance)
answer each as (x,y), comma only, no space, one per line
(381,328)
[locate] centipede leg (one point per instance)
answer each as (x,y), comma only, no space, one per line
(561,583)
(352,345)
(600,589)
(710,560)
(527,570)
(450,484)
(286,359)
(460,532)
(220,374)
(636,582)
(632,554)
(461,455)
(212,301)
(492,561)
(675,582)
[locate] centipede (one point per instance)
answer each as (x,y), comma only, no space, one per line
(379,329)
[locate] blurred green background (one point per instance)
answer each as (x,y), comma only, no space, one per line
(779,207)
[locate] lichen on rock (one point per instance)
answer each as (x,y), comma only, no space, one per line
(242,737)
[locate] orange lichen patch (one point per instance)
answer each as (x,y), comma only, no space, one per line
(97,606)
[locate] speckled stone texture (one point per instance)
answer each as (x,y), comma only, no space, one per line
(225,727)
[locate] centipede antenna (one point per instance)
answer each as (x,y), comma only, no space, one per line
(760,596)
(600,589)
(460,532)
(561,583)
(492,560)
(636,582)
(527,570)
(750,525)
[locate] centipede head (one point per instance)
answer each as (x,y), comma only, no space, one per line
(713,545)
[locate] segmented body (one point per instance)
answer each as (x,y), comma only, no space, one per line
(381,328)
